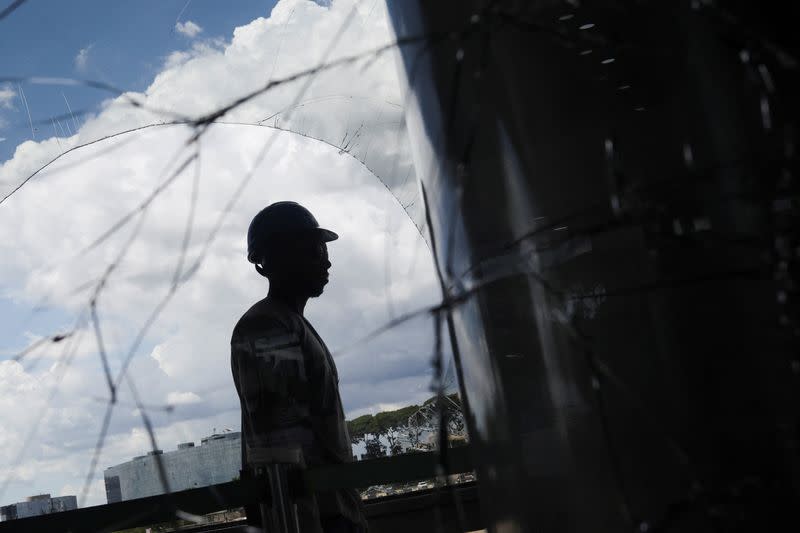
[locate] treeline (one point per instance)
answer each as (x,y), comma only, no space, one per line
(390,425)
(380,423)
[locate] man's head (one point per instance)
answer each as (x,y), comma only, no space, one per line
(287,246)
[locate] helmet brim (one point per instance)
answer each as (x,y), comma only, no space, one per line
(327,235)
(323,235)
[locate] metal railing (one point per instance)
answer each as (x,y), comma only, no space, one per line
(194,503)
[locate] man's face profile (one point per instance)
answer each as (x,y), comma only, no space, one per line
(301,265)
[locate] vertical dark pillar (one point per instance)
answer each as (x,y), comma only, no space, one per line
(602,179)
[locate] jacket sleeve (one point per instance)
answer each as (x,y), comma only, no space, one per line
(245,375)
(269,370)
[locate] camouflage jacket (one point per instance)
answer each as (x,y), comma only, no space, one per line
(289,393)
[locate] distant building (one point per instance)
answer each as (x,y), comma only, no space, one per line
(218,459)
(38,505)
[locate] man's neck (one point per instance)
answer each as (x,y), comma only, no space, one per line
(291,300)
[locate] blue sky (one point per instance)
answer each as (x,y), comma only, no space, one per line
(126,44)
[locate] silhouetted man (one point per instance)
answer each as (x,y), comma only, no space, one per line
(285,376)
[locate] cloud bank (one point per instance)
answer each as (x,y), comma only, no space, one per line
(188,28)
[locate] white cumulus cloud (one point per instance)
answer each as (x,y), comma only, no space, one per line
(82,58)
(7,95)
(182,398)
(188,28)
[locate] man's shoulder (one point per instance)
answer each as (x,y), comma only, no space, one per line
(265,319)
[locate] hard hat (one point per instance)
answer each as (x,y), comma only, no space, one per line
(282,219)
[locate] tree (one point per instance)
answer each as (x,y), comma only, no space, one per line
(394,425)
(375,447)
(389,424)
(395,448)
(360,427)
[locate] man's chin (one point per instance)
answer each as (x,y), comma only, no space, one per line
(317,291)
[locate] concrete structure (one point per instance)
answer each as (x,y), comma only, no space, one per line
(38,505)
(218,459)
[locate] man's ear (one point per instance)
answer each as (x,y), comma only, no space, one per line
(261,271)
(262,267)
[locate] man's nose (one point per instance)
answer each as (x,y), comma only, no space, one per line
(327,264)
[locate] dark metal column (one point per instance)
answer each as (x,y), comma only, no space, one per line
(603,179)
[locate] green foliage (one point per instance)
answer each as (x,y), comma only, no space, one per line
(359,427)
(388,424)
(374,448)
(381,423)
